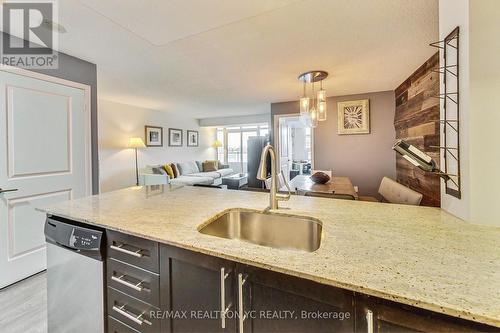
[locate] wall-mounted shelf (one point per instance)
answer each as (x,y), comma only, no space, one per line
(450,103)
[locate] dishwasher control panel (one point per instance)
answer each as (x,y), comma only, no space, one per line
(85,239)
(74,236)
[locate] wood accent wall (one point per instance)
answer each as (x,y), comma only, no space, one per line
(417,121)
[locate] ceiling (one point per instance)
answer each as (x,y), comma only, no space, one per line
(207,58)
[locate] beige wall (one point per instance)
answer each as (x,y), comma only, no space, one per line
(119,122)
(453,13)
(479,22)
(365,158)
(484,111)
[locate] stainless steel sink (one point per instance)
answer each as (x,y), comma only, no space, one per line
(267,229)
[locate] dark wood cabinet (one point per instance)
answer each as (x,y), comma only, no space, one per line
(375,315)
(273,302)
(194,290)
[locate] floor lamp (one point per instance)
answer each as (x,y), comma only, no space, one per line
(216,145)
(136,143)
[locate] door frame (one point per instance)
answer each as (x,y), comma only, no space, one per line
(276,136)
(86,108)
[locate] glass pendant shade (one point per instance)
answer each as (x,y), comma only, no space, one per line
(322,95)
(314,117)
(321,111)
(304,105)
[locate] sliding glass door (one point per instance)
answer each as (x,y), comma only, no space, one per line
(234,150)
(234,139)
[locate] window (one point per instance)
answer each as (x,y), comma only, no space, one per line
(234,147)
(263,130)
(245,137)
(234,140)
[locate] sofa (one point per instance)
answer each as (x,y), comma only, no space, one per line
(190,173)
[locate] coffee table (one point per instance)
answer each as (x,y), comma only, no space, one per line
(236,181)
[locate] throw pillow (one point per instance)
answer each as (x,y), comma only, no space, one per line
(200,165)
(186,168)
(215,161)
(157,170)
(209,166)
(168,169)
(174,170)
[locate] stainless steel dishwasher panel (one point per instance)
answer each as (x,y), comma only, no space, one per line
(75,277)
(75,294)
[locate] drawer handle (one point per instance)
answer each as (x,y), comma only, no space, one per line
(241,312)
(120,279)
(223,308)
(121,249)
(369,321)
(135,318)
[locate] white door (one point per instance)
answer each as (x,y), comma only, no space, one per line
(285,149)
(44,154)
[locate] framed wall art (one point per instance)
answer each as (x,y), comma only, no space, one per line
(154,136)
(354,117)
(192,138)
(174,137)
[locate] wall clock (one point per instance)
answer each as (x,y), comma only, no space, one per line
(354,117)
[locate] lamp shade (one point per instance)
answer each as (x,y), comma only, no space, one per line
(136,143)
(217,144)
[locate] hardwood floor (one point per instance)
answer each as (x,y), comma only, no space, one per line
(23,306)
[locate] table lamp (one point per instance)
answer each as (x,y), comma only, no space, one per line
(136,143)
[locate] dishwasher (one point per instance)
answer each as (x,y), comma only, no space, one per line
(75,277)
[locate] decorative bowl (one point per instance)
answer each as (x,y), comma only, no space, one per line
(320,178)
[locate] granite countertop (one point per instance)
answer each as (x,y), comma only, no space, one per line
(419,256)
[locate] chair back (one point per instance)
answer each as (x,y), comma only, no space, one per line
(395,192)
(267,183)
(280,181)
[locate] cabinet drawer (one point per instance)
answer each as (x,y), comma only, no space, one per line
(132,312)
(116,326)
(134,281)
(133,250)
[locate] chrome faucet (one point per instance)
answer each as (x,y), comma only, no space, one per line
(262,175)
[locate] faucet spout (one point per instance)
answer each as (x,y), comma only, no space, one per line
(274,196)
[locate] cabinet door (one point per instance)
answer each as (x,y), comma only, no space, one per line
(374,315)
(194,289)
(273,302)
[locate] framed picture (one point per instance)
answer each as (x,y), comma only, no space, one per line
(192,138)
(354,117)
(174,137)
(154,136)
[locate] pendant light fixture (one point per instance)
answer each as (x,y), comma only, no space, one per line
(313,109)
(321,103)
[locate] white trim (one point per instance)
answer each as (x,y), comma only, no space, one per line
(87,102)
(276,136)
